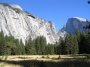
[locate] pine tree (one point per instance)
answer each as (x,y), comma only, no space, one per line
(49,49)
(37,45)
(84,44)
(4,48)
(30,47)
(61,48)
(22,47)
(40,43)
(71,44)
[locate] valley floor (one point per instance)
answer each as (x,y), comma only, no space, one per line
(45,61)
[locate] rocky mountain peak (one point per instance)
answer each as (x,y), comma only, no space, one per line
(74,24)
(22,25)
(14,6)
(80,19)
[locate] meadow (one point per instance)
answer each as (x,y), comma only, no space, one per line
(45,61)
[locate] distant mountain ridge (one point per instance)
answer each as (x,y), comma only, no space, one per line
(22,25)
(74,24)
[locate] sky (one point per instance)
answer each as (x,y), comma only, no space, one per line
(57,11)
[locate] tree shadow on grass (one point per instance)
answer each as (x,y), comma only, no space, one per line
(35,63)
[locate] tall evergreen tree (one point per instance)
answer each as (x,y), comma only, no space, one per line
(49,49)
(40,43)
(71,44)
(30,47)
(22,47)
(4,48)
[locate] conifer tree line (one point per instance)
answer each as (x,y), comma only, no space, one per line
(73,44)
(11,46)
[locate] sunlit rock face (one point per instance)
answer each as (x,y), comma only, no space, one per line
(22,25)
(73,25)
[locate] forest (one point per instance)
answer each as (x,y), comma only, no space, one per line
(79,43)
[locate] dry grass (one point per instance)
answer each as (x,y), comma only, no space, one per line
(38,57)
(3,64)
(44,58)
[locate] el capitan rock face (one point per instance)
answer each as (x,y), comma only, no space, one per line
(22,25)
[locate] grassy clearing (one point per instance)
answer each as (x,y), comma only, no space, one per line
(30,60)
(3,64)
(43,57)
